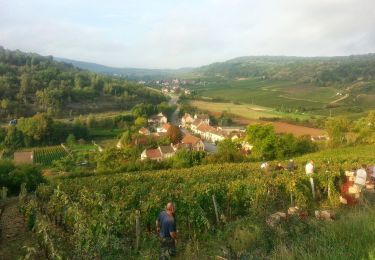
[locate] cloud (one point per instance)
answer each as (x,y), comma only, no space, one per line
(162,34)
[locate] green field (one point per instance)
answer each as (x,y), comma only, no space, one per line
(289,96)
(45,156)
(270,93)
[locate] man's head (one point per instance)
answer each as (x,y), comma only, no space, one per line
(311,161)
(170,207)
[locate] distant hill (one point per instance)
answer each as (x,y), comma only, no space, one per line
(31,83)
(130,73)
(317,70)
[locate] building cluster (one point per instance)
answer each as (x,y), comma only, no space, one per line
(175,90)
(199,124)
(160,123)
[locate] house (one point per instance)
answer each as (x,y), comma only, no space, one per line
(204,117)
(23,157)
(158,154)
(144,131)
(216,135)
(158,119)
(195,124)
(167,151)
(204,131)
(187,120)
(195,143)
(151,154)
(164,128)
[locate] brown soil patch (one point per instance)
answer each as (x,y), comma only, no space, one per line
(282,127)
(14,233)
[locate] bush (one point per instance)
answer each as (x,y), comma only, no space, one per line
(12,176)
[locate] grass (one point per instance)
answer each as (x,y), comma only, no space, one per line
(252,112)
(291,95)
(105,133)
(348,237)
(98,116)
(270,93)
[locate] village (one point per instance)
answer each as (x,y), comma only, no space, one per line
(198,135)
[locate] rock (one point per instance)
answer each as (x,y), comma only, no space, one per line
(293,211)
(275,219)
(325,214)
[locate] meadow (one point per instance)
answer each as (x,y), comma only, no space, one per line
(291,96)
(270,93)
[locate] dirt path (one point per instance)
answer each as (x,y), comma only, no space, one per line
(340,99)
(14,233)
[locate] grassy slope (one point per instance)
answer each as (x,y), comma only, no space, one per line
(351,236)
(287,94)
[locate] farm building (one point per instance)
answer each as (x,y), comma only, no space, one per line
(158,119)
(23,157)
(194,142)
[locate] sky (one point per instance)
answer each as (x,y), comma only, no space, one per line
(186,33)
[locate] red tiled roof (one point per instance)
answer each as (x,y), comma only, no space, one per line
(167,126)
(205,128)
(197,122)
(190,139)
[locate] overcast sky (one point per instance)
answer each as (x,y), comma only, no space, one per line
(182,33)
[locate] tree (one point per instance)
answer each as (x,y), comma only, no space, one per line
(14,138)
(140,121)
(229,151)
(263,138)
(71,140)
(37,128)
(174,134)
(337,129)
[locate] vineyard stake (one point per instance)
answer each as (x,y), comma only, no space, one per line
(137,229)
(4,193)
(216,211)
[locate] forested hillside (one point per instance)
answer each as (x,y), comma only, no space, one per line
(318,70)
(31,83)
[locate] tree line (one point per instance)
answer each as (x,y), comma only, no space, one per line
(320,71)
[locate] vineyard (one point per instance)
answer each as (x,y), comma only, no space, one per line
(95,215)
(45,156)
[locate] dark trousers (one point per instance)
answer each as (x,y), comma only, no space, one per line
(168,247)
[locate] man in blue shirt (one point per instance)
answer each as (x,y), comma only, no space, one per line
(166,227)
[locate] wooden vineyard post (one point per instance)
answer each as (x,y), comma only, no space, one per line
(137,229)
(4,192)
(291,200)
(216,210)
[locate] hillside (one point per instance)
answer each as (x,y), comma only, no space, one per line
(318,86)
(316,70)
(94,216)
(30,83)
(130,73)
